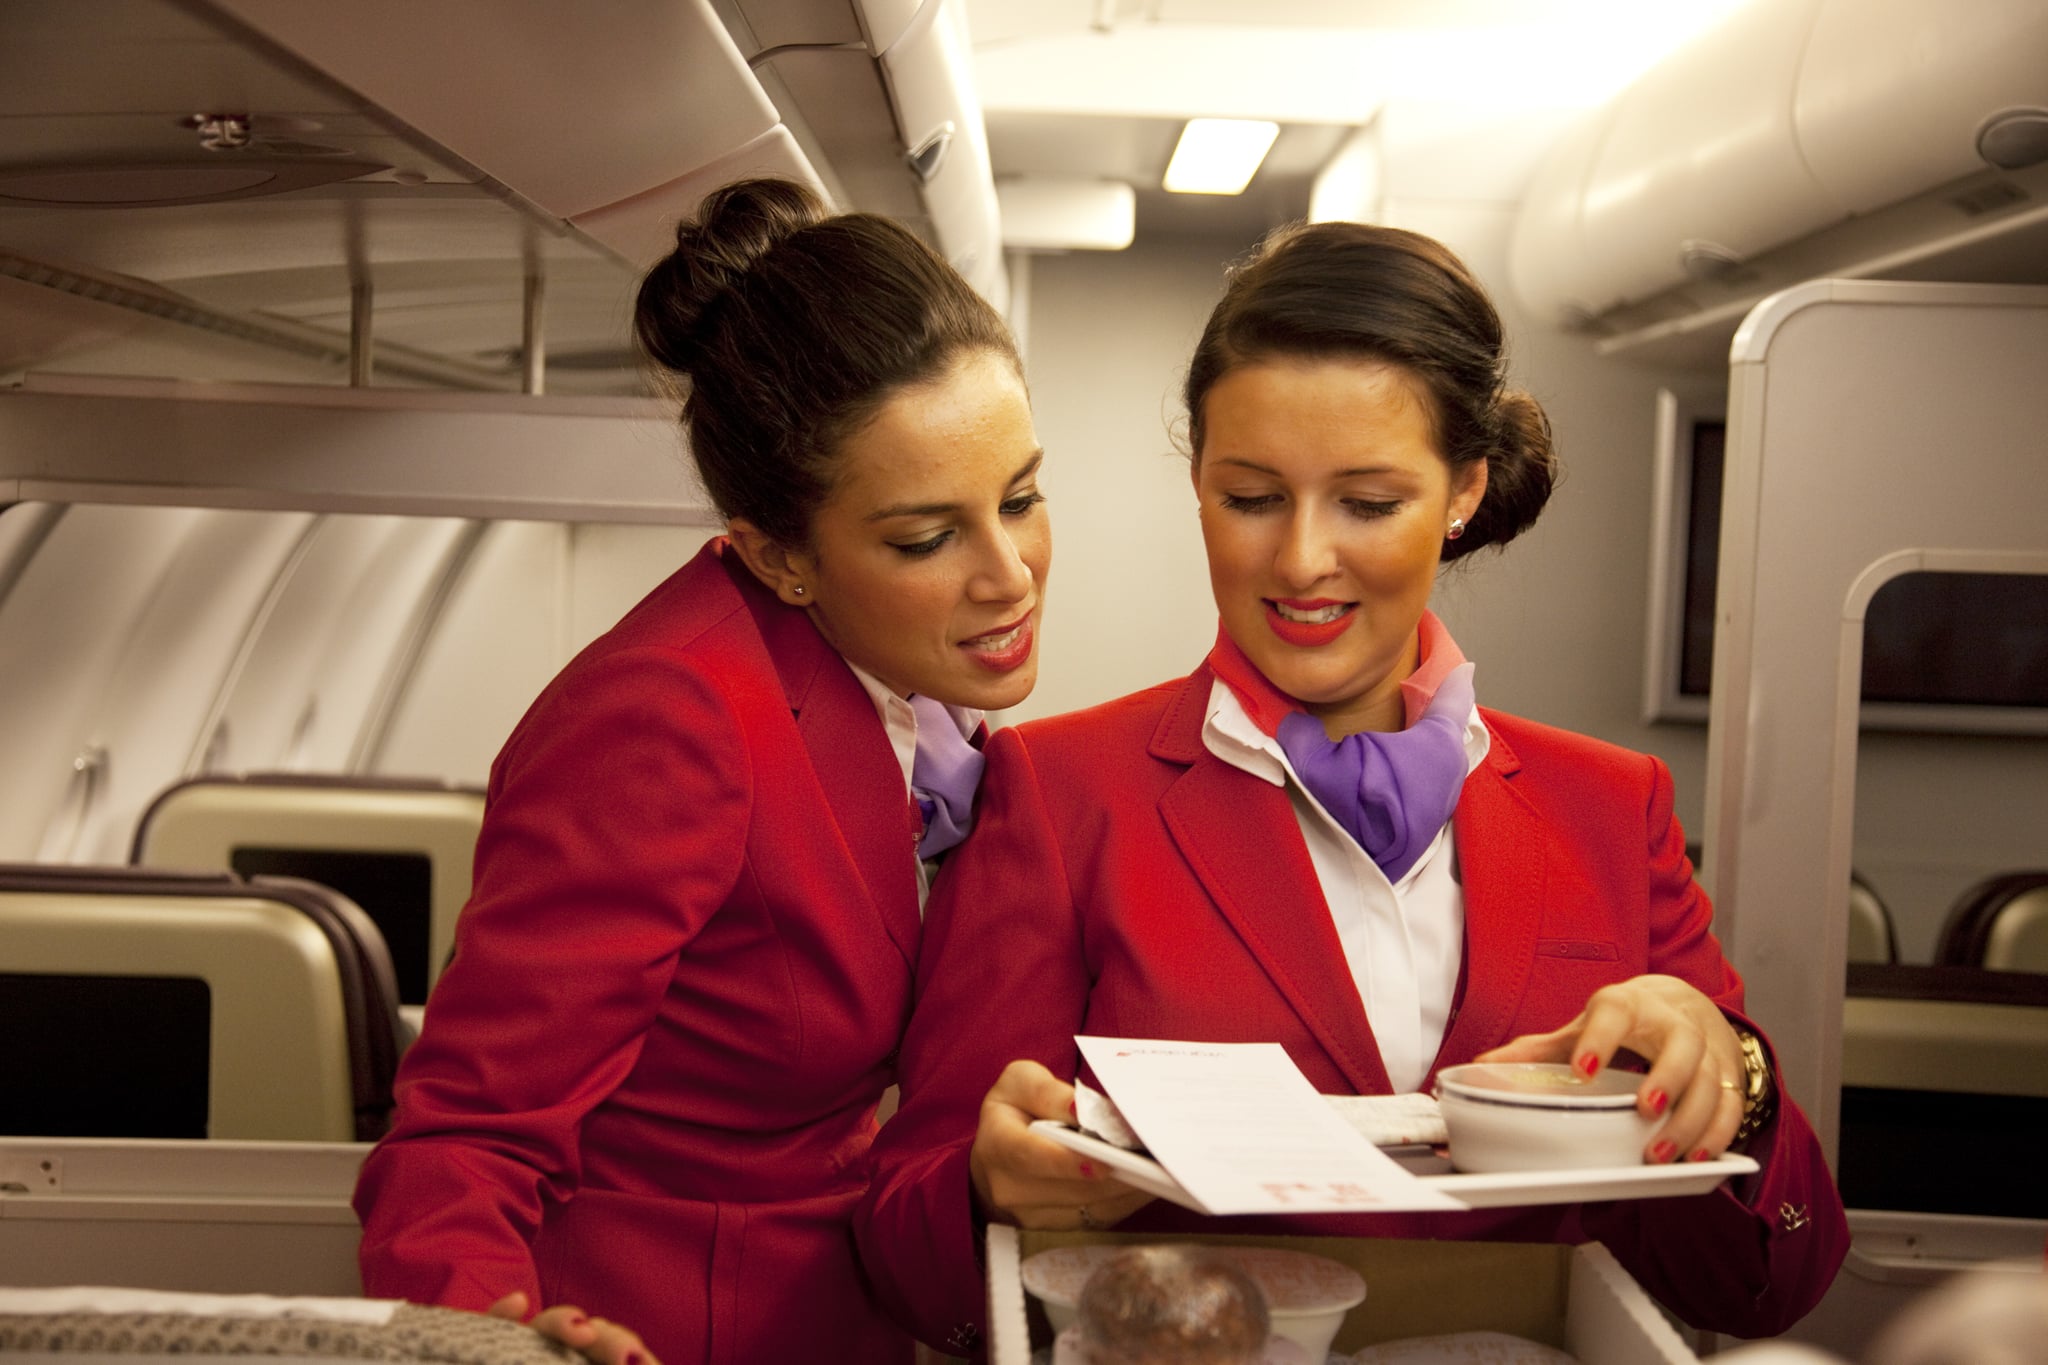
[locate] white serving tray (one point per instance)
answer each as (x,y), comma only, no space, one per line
(1494,1189)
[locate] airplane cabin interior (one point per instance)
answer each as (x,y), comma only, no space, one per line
(324,445)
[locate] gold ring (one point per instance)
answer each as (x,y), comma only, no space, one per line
(1730,1085)
(1087,1218)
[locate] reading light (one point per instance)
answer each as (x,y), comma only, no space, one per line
(1218,155)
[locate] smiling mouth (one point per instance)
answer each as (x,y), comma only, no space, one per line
(997,640)
(1004,649)
(1318,614)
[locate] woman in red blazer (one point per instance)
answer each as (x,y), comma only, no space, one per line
(1319,839)
(648,1078)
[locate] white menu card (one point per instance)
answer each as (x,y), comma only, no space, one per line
(1242,1131)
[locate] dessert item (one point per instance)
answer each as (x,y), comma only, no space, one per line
(1166,1305)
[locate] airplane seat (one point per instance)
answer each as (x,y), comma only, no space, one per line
(1871,938)
(401,848)
(1944,1089)
(147,1003)
(2001,923)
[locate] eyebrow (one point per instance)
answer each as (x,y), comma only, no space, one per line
(1356,471)
(932,509)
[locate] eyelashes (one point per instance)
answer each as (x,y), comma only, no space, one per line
(1011,509)
(1361,508)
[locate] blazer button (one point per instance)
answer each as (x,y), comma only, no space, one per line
(1793,1217)
(964,1337)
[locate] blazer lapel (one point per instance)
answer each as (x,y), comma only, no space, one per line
(851,757)
(1502,856)
(1240,838)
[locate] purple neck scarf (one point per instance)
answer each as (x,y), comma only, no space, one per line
(1391,791)
(944,774)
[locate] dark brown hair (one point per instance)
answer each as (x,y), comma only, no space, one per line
(794,326)
(1353,290)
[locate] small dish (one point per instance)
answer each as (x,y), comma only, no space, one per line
(1306,1296)
(1541,1116)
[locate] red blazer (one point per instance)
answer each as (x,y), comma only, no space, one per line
(1123,881)
(647,1082)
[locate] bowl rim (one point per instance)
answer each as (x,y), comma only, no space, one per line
(1449,1085)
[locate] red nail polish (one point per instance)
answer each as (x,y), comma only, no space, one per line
(578,1320)
(635,1358)
(1663,1151)
(1087,1171)
(1658,1099)
(1702,1155)
(1074,1108)
(1588,1065)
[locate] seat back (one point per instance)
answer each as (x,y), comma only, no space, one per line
(1938,1061)
(192,1005)
(1870,925)
(2000,923)
(399,848)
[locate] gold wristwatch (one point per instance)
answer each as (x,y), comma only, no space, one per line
(1759,1092)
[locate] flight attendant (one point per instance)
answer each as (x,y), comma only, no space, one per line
(647,1082)
(1318,838)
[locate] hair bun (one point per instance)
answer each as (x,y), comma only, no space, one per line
(735,227)
(1521,470)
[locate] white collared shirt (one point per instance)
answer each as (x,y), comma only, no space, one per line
(899,721)
(1403,941)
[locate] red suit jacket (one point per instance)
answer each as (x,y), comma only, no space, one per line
(1123,881)
(647,1082)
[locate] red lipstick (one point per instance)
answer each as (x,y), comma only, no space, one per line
(1011,656)
(1308,634)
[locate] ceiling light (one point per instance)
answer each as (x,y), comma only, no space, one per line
(1219,155)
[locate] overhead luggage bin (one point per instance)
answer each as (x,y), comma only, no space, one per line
(1801,138)
(570,114)
(620,129)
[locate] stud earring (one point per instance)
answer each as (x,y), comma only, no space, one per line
(1457,528)
(798,590)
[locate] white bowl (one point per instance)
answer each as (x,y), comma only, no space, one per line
(1541,1116)
(1070,1348)
(1306,1296)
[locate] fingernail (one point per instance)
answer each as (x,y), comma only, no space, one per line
(578,1320)
(635,1358)
(1663,1150)
(1702,1155)
(1074,1108)
(1658,1099)
(1588,1065)
(1087,1170)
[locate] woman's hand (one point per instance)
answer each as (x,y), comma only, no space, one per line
(596,1339)
(1026,1178)
(1696,1071)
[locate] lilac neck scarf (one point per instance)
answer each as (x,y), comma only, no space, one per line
(1390,791)
(944,774)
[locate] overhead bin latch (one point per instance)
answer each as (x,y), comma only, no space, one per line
(929,155)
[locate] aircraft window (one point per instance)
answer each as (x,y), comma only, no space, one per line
(394,889)
(1942,650)
(1978,639)
(105,1056)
